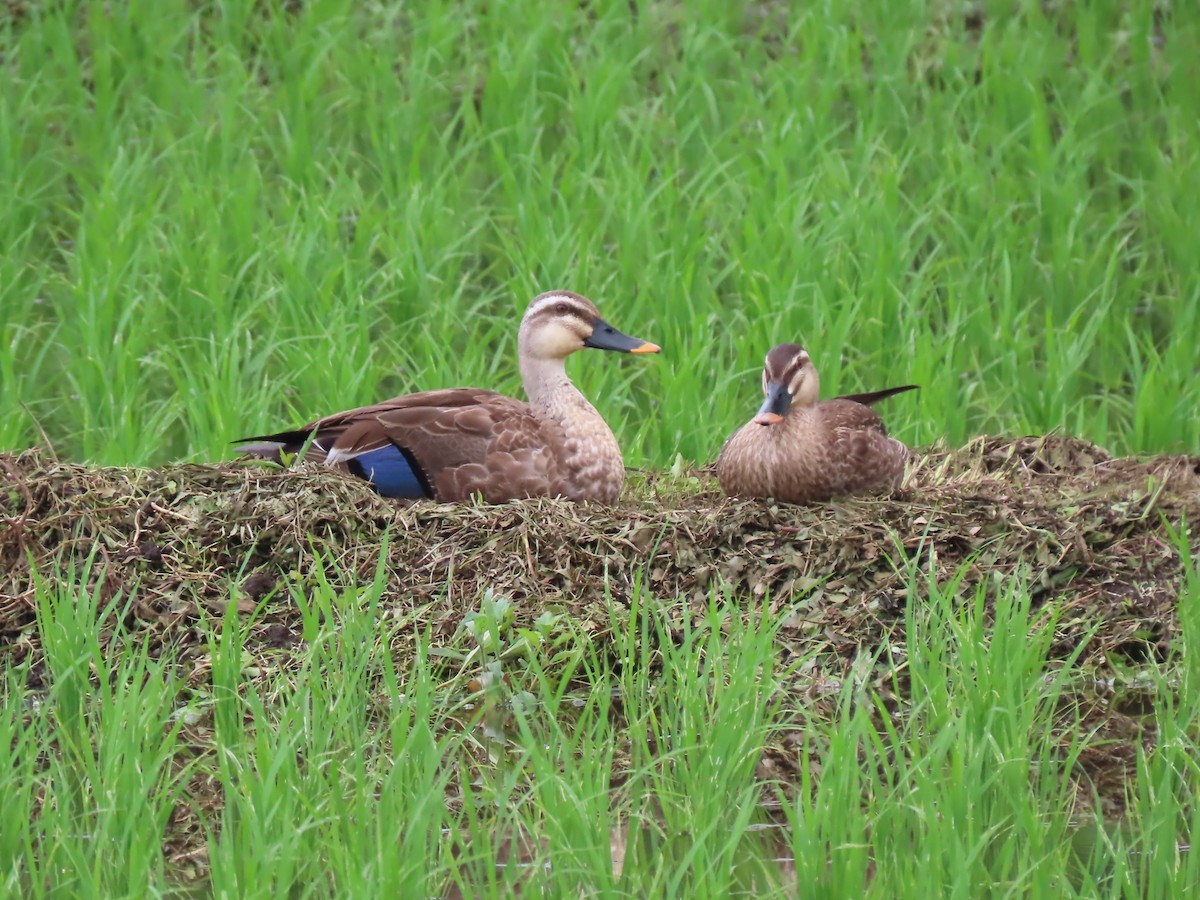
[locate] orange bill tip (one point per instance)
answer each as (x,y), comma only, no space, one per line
(768,418)
(646,347)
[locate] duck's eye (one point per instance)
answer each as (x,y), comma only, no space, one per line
(562,309)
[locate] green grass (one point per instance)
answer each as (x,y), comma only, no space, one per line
(332,772)
(968,789)
(223,217)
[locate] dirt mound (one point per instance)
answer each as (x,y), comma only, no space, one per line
(1086,527)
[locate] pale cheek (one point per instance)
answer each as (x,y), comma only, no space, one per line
(558,342)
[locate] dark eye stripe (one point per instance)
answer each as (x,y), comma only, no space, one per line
(799,363)
(785,362)
(573,311)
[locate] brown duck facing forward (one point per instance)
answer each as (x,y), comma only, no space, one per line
(799,449)
(452,444)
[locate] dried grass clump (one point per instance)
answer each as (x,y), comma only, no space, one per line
(187,538)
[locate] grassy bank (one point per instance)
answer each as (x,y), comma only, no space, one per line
(255,682)
(653,764)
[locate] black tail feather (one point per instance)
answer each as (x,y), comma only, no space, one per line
(273,446)
(870,397)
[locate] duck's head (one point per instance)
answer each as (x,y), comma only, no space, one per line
(558,323)
(789,379)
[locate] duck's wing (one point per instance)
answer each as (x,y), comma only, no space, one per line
(860,456)
(445,445)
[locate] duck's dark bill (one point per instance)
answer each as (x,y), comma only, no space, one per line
(775,407)
(605,337)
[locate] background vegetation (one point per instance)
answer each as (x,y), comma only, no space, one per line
(225,217)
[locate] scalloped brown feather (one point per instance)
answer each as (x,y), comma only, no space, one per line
(466,441)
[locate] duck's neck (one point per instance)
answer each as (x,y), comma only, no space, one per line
(552,395)
(583,442)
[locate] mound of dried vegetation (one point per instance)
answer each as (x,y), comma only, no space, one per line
(1092,531)
(1095,535)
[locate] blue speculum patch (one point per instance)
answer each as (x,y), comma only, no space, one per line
(393,473)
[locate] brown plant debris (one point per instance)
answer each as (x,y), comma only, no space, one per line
(1091,533)
(1089,530)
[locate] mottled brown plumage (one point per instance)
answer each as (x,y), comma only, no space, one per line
(799,449)
(452,444)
